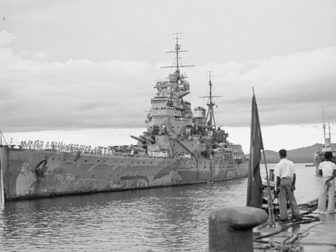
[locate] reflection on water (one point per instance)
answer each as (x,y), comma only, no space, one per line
(165,219)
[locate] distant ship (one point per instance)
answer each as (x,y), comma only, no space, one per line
(179,147)
(319,155)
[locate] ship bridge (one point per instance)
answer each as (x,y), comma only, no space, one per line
(169,112)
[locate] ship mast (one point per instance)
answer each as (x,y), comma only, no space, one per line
(210,119)
(177,50)
(329,131)
(177,65)
(324,129)
(326,135)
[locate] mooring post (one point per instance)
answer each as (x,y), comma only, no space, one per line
(230,229)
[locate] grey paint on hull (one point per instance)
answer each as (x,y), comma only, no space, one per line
(35,174)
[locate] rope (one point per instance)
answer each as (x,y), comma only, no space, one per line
(286,226)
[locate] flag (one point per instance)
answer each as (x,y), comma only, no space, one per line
(254,184)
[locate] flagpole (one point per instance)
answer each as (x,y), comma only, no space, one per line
(271,218)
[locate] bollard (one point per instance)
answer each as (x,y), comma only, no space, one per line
(230,229)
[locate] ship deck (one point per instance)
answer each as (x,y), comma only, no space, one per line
(314,233)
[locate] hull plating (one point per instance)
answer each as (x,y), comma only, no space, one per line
(35,174)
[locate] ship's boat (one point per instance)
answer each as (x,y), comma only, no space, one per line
(319,154)
(179,147)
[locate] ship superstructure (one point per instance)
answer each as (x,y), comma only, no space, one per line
(327,146)
(180,146)
(173,129)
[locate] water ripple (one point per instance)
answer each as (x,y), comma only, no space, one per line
(165,219)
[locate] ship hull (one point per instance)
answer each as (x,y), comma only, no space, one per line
(29,174)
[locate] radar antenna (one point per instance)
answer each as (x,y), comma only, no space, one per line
(211,122)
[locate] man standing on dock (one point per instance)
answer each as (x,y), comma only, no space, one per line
(328,169)
(285,184)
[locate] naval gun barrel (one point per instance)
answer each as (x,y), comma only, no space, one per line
(143,141)
(149,139)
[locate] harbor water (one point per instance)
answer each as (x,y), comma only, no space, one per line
(162,219)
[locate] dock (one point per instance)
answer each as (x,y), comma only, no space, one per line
(315,233)
(321,236)
(251,229)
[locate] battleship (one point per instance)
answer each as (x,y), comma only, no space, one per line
(180,146)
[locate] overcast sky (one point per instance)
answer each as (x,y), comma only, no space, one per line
(80,64)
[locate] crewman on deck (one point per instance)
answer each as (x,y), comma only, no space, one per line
(285,184)
(328,169)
